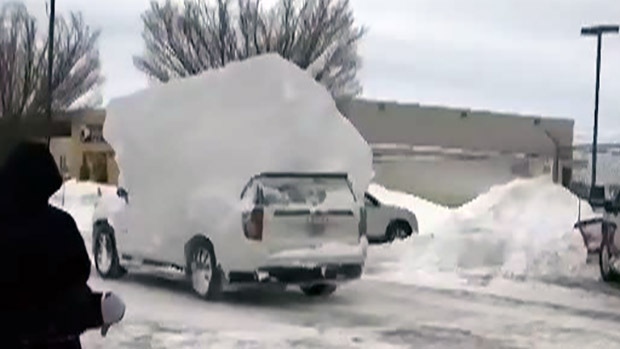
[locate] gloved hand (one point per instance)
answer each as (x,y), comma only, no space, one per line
(112,311)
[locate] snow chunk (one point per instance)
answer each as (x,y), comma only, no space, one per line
(212,132)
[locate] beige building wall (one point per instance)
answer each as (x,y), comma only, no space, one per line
(450,181)
(416,125)
(519,146)
(60,149)
(86,148)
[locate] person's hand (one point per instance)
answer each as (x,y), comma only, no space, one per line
(112,311)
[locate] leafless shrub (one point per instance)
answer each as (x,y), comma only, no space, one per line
(318,35)
(23,63)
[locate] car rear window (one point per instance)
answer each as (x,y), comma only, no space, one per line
(306,191)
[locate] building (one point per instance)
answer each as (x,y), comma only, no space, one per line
(446,155)
(85,154)
(451,155)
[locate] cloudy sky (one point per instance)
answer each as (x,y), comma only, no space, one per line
(522,56)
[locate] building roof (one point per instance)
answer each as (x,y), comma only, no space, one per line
(417,125)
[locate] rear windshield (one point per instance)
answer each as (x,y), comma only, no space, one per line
(306,191)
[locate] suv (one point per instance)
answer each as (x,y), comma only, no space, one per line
(304,229)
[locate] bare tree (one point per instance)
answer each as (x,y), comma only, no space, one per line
(23,63)
(318,34)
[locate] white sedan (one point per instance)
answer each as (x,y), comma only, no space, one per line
(386,223)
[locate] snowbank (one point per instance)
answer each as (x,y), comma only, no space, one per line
(523,229)
(79,200)
(212,132)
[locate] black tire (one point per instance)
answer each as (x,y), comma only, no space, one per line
(204,275)
(107,266)
(608,274)
(398,230)
(318,290)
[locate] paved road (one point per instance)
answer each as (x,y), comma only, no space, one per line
(368,314)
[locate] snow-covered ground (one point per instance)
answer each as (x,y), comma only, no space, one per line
(503,271)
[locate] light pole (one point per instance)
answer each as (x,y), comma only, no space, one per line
(597,31)
(50,63)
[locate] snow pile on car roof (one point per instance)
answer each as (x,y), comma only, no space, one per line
(214,131)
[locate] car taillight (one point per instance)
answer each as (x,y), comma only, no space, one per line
(253,227)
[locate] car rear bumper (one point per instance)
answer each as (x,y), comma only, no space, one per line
(256,258)
(333,273)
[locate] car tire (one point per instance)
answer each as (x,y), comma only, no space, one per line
(608,274)
(204,275)
(398,230)
(318,290)
(105,253)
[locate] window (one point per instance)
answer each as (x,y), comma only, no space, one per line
(91,133)
(62,163)
(305,190)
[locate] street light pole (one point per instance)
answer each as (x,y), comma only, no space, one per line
(50,63)
(597,31)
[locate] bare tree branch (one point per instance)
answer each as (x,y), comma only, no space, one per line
(23,67)
(185,40)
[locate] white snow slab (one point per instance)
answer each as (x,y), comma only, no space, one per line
(210,133)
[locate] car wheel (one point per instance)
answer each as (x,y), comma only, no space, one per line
(203,272)
(318,290)
(606,261)
(105,253)
(398,230)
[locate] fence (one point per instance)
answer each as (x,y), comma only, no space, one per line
(607,169)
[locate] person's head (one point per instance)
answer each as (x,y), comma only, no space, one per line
(29,176)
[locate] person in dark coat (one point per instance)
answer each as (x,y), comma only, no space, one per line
(45,301)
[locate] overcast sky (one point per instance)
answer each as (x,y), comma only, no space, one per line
(522,56)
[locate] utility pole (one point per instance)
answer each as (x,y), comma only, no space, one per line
(597,31)
(50,63)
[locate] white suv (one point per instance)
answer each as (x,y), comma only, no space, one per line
(305,229)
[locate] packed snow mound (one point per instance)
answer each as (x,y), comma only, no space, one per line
(523,229)
(530,222)
(79,199)
(211,133)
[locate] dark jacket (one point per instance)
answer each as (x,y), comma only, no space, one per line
(44,263)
